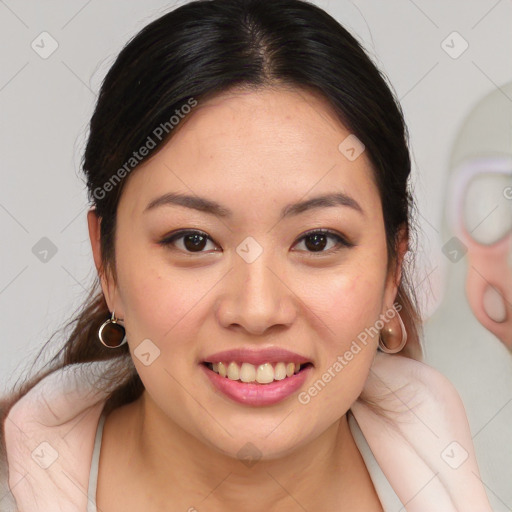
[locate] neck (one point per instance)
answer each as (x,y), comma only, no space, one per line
(326,470)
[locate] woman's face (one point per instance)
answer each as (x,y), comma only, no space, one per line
(255,281)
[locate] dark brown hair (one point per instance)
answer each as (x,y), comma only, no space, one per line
(197,51)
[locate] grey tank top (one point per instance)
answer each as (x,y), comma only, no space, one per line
(387,496)
(93,475)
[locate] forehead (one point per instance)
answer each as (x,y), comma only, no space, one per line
(268,145)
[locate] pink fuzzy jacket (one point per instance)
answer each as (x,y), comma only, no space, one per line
(423,444)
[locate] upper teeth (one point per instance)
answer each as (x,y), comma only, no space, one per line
(263,374)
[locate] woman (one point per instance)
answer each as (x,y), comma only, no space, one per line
(254,344)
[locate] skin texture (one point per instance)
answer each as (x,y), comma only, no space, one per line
(254,153)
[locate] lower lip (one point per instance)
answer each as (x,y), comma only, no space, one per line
(257,394)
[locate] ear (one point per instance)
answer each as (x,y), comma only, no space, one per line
(402,248)
(107,282)
(395,270)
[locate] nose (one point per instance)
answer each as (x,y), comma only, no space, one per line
(256,297)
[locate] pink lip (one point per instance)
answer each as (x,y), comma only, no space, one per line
(257,394)
(257,357)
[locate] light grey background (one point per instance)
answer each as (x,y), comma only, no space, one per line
(46,105)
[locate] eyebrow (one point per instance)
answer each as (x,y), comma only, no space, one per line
(205,205)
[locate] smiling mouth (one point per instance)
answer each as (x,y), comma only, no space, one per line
(256,374)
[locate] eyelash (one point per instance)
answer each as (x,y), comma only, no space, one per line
(342,242)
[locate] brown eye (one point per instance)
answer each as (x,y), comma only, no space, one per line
(317,241)
(192,241)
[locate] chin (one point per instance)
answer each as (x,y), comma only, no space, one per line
(251,446)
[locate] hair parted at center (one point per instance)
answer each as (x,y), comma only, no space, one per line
(197,51)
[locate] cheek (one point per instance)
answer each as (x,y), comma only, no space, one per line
(346,306)
(347,299)
(167,308)
(159,302)
(350,308)
(345,347)
(162,309)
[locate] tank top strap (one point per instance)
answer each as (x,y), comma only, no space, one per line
(93,475)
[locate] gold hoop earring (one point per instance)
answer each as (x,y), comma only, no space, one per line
(391,333)
(111,334)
